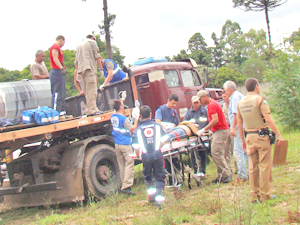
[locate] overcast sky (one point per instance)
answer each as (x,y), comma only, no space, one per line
(142,28)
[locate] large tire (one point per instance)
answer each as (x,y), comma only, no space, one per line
(101,174)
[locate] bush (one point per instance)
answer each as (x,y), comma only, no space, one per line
(285,82)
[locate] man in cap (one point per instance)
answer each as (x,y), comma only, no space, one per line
(220,129)
(87,58)
(198,115)
(38,69)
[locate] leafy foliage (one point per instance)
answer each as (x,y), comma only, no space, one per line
(253,68)
(285,93)
(225,74)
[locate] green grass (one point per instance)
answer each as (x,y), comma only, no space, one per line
(208,204)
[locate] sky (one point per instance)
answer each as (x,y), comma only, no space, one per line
(142,28)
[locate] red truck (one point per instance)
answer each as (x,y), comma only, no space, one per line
(75,158)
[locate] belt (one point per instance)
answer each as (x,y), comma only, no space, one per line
(261,132)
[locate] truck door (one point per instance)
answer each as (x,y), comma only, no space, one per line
(191,83)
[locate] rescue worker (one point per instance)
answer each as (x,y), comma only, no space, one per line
(122,130)
(220,129)
(198,114)
(111,72)
(147,140)
(240,156)
(166,115)
(86,60)
(38,69)
(254,112)
(58,75)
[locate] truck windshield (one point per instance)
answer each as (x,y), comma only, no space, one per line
(172,78)
(190,78)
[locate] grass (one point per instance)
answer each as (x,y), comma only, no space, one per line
(207,204)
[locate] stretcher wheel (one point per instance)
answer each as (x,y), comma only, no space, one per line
(101,174)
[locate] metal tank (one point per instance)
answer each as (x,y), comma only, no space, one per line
(22,95)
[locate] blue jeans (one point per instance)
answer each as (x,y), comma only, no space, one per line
(241,157)
(58,89)
(174,132)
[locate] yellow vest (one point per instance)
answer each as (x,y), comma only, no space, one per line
(249,108)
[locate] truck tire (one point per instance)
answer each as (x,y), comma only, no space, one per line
(101,174)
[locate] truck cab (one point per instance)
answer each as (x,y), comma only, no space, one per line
(156,81)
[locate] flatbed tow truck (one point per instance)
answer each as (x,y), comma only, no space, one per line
(75,158)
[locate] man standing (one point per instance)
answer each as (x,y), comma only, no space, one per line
(147,139)
(219,127)
(254,112)
(87,58)
(111,71)
(198,114)
(38,69)
(166,115)
(58,74)
(240,156)
(122,130)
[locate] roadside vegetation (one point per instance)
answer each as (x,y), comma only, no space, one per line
(207,204)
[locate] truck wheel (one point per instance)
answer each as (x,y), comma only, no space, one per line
(101,174)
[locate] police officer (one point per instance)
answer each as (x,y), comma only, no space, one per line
(147,140)
(122,129)
(254,111)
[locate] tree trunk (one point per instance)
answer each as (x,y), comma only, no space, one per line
(106,29)
(268,24)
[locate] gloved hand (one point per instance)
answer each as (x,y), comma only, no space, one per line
(124,95)
(102,87)
(136,113)
(63,71)
(201,132)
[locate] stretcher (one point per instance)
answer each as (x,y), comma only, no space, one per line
(172,152)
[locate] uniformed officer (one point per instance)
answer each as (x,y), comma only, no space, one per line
(147,140)
(122,129)
(254,111)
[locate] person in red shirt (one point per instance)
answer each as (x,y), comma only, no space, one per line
(58,74)
(220,129)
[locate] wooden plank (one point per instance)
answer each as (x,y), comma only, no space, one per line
(47,129)
(280,153)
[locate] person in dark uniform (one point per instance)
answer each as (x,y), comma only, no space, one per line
(146,141)
(166,115)
(255,112)
(198,115)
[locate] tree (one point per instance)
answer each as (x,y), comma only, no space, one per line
(294,40)
(225,74)
(230,42)
(216,52)
(285,92)
(259,5)
(109,20)
(253,68)
(197,42)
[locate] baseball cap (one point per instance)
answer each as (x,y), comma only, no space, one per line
(202,93)
(195,99)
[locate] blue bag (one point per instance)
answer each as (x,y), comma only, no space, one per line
(28,116)
(45,115)
(41,115)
